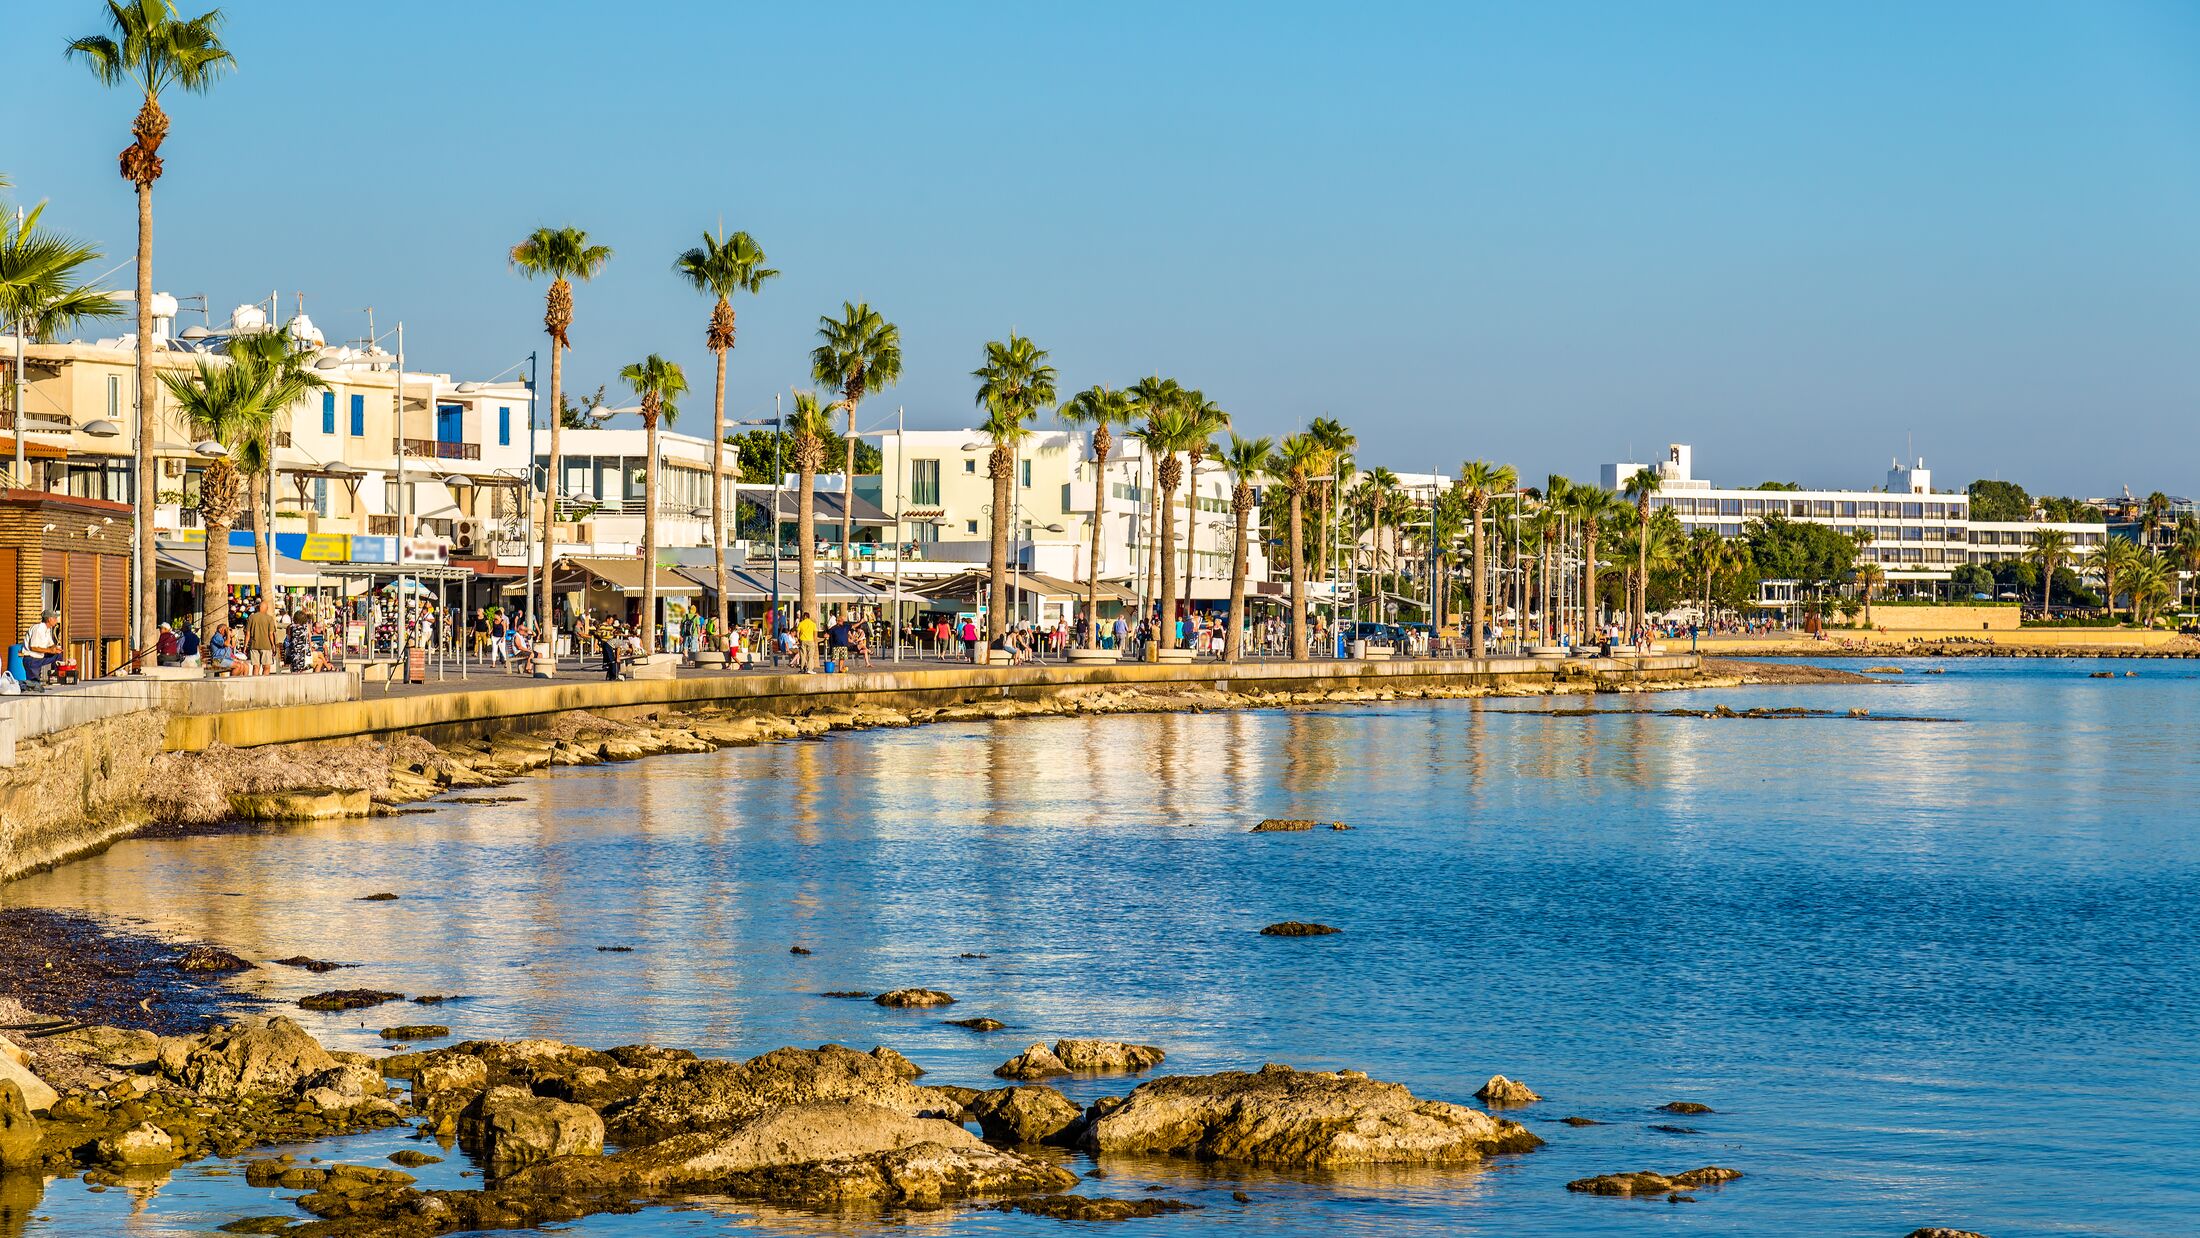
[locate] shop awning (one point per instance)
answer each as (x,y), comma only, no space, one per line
(178,562)
(620,575)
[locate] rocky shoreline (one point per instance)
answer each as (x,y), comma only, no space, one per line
(349,778)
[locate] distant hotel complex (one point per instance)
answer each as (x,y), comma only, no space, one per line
(1913,532)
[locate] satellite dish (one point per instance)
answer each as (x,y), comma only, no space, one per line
(196,333)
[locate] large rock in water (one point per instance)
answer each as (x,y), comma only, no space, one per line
(1024,1115)
(1281,1116)
(1502,1091)
(1035,1062)
(246,1058)
(703,1095)
(1648,1182)
(511,1127)
(1106,1057)
(825,1152)
(18,1129)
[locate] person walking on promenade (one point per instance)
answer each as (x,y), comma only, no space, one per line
(805,644)
(259,637)
(970,640)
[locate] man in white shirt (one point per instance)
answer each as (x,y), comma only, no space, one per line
(41,648)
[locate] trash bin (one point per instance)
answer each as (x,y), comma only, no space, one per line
(1359,649)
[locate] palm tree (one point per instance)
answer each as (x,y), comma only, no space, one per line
(564,255)
(809,428)
(2148,583)
(721,266)
(2157,516)
(2186,552)
(1481,482)
(1382,496)
(226,404)
(1644,483)
(1595,508)
(1203,420)
(1166,434)
(1151,397)
(1298,464)
(1868,580)
(1012,385)
(41,286)
(1558,499)
(1447,524)
(150,49)
(658,382)
(280,366)
(1101,408)
(1336,444)
(858,355)
(2048,548)
(1246,459)
(2118,556)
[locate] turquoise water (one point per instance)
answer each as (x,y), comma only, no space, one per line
(1926,972)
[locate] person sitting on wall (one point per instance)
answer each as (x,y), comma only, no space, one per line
(170,650)
(221,657)
(519,649)
(41,648)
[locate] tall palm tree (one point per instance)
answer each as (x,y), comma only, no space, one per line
(1481,481)
(1383,493)
(1151,397)
(2048,548)
(1247,458)
(858,354)
(563,254)
(1644,483)
(2118,556)
(1167,433)
(2157,516)
(1549,523)
(1297,464)
(1013,384)
(1447,525)
(226,404)
(809,429)
(658,382)
(721,266)
(1558,498)
(1101,408)
(1203,420)
(150,49)
(1336,444)
(1869,578)
(2186,552)
(280,365)
(1596,508)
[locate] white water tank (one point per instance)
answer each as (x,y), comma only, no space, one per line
(247,318)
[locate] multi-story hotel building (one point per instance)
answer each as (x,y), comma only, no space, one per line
(1913,532)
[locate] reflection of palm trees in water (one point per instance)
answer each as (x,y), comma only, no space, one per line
(19,1196)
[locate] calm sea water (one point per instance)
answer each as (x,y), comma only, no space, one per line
(1925,972)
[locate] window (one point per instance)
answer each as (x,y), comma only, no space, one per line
(504,425)
(328,412)
(114,397)
(924,483)
(320,487)
(925,531)
(1026,478)
(970,466)
(358,416)
(970,526)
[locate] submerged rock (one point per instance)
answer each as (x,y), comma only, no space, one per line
(143,1144)
(1032,1114)
(511,1127)
(1085,1208)
(977,1025)
(312,965)
(1684,1106)
(914,997)
(1937,1231)
(1502,1091)
(836,1151)
(1283,825)
(1581,1121)
(210,959)
(1647,1182)
(1297,928)
(248,1057)
(416,1031)
(349,999)
(1281,1116)
(702,1095)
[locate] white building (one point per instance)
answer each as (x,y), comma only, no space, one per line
(601,495)
(1915,533)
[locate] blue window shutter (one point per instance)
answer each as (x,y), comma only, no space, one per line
(358,416)
(504,426)
(328,412)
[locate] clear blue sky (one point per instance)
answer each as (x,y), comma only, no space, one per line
(1793,235)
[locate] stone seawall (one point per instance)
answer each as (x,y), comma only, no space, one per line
(79,789)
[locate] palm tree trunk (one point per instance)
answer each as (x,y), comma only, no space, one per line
(1191,528)
(545,626)
(805,540)
(1298,575)
(216,579)
(1232,634)
(1165,629)
(1589,586)
(1099,510)
(148,492)
(649,543)
(718,499)
(1474,588)
(263,527)
(848,492)
(1147,482)
(1003,468)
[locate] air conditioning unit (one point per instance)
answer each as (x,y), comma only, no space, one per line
(171,468)
(465,534)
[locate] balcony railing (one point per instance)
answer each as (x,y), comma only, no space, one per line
(436,449)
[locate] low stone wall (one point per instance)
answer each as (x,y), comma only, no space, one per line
(444,716)
(1968,619)
(75,790)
